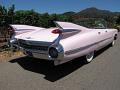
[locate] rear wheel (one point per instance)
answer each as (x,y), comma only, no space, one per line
(113,43)
(89,57)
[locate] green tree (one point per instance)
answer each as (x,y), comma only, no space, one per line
(118,20)
(3,16)
(45,18)
(10,13)
(5,19)
(29,17)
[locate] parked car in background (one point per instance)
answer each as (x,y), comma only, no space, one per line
(63,43)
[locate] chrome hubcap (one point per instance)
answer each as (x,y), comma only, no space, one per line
(89,56)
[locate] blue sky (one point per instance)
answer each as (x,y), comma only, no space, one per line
(61,6)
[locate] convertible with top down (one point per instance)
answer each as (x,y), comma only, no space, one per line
(63,43)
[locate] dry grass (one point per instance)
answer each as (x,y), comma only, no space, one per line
(8,55)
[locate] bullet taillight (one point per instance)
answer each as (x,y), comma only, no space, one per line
(56,31)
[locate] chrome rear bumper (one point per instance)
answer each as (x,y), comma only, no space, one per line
(41,54)
(37,55)
(33,49)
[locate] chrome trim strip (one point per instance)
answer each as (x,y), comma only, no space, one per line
(19,30)
(30,42)
(83,48)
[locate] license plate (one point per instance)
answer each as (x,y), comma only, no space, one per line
(29,53)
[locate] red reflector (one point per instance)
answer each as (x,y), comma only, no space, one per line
(56,31)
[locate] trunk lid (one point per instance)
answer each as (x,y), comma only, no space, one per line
(44,35)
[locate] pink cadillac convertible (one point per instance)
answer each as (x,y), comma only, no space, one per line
(63,43)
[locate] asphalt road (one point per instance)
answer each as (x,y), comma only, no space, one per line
(33,74)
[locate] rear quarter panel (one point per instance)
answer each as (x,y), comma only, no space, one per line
(86,41)
(77,45)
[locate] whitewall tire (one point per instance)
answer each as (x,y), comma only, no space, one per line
(113,43)
(89,57)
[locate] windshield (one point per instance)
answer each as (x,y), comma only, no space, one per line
(99,24)
(92,23)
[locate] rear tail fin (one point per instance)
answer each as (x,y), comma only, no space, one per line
(20,29)
(68,25)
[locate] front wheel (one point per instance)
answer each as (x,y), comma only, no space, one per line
(89,57)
